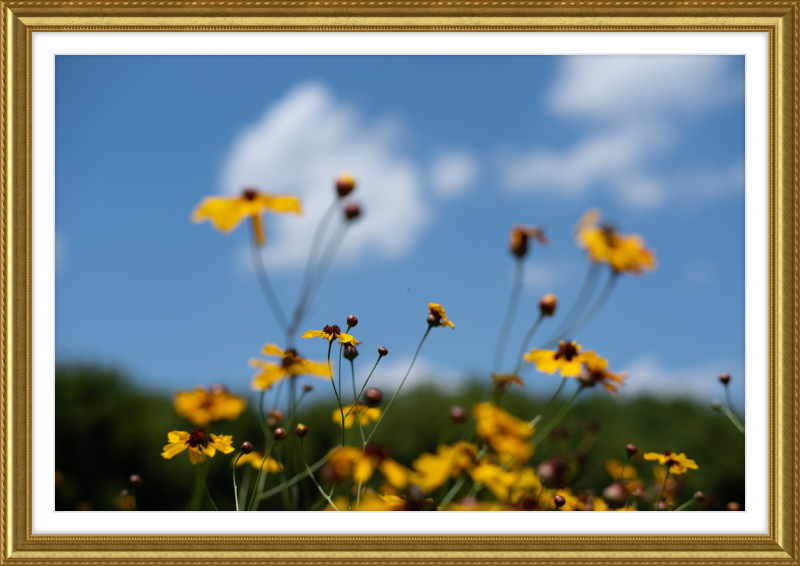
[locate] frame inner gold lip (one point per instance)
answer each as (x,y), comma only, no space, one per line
(21,19)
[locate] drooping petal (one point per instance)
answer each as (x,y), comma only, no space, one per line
(222,442)
(346,338)
(319,369)
(268,375)
(363,469)
(317,334)
(196,456)
(571,368)
(544,359)
(280,204)
(225,213)
(272,350)
(395,474)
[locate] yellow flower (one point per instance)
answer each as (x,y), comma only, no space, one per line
(370,501)
(331,333)
(202,407)
(527,490)
(496,479)
(365,414)
(504,432)
(676,463)
(500,381)
(623,252)
(567,359)
(350,462)
(440,318)
(270,465)
(291,364)
(518,239)
(596,372)
(225,213)
(433,470)
(614,469)
(194,442)
(549,495)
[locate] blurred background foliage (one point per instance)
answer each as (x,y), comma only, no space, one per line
(107,429)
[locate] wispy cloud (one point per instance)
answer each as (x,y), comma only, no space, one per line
(629,104)
(300,144)
(453,172)
(388,376)
(650,376)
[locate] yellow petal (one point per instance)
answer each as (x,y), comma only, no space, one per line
(196,456)
(363,470)
(224,212)
(269,375)
(313,368)
(172,449)
(572,368)
(280,203)
(223,443)
(544,359)
(395,474)
(272,350)
(345,338)
(316,334)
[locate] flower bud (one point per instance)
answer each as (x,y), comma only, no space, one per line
(279,434)
(124,492)
(352,211)
(373,397)
(457,414)
(662,506)
(733,506)
(301,430)
(382,351)
(247,447)
(547,305)
(345,184)
(218,389)
(136,480)
(434,319)
(350,352)
(724,378)
(700,496)
(559,501)
(716,406)
(631,449)
(352,321)
(307,387)
(615,495)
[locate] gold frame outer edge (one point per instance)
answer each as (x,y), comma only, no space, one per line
(18,21)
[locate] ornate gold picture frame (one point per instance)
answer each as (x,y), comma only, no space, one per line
(20,19)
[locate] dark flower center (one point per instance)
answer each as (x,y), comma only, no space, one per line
(289,358)
(249,194)
(196,438)
(378,450)
(332,329)
(566,351)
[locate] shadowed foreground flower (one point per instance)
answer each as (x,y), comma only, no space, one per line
(203,406)
(676,463)
(596,372)
(519,236)
(199,443)
(495,479)
(568,359)
(365,414)
(291,364)
(270,465)
(504,432)
(350,462)
(623,252)
(433,470)
(225,213)
(437,316)
(331,333)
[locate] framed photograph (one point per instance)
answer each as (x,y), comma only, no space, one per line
(468,270)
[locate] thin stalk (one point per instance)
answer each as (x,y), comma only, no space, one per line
(205,485)
(235,489)
(276,490)
(287,506)
(258,477)
(341,409)
(542,434)
(389,405)
(511,311)
(266,288)
(580,303)
(310,474)
(197,497)
(660,495)
(733,419)
(325,262)
(276,400)
(598,304)
(686,505)
(547,407)
(453,491)
(365,385)
(525,343)
(245,487)
(358,418)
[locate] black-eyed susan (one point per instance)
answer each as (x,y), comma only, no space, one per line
(331,333)
(675,463)
(568,359)
(199,443)
(202,406)
(519,236)
(624,253)
(504,432)
(291,364)
(225,213)
(437,316)
(350,462)
(365,415)
(595,371)
(256,459)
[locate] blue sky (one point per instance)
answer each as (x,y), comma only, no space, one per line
(450,152)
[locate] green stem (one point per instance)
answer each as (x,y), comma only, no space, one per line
(686,505)
(287,506)
(341,409)
(365,386)
(585,293)
(325,261)
(299,477)
(389,405)
(205,485)
(587,317)
(310,474)
(660,495)
(511,311)
(733,419)
(235,489)
(358,418)
(542,434)
(266,288)
(453,491)
(528,336)
(258,477)
(547,407)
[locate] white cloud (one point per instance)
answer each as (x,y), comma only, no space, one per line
(389,375)
(543,276)
(453,172)
(300,145)
(649,376)
(630,104)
